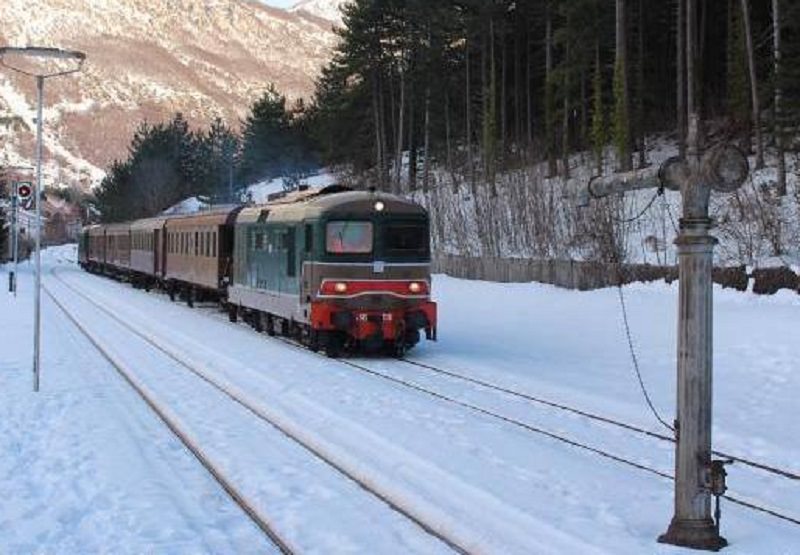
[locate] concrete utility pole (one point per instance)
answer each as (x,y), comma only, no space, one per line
(722,169)
(52,54)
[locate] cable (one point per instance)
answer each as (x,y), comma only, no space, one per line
(635,360)
(641,213)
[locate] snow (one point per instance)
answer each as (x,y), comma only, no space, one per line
(506,226)
(326,9)
(187,206)
(260,192)
(89,468)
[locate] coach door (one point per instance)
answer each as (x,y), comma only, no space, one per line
(156,251)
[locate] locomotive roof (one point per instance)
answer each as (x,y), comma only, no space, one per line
(315,203)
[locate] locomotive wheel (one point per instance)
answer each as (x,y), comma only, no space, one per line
(333,345)
(233,313)
(270,325)
(172,292)
(313,340)
(400,348)
(190,297)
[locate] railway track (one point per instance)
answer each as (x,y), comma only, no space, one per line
(288,431)
(589,416)
(252,512)
(749,504)
(595,417)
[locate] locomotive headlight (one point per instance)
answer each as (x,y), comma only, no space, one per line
(379,206)
(414,287)
(340,287)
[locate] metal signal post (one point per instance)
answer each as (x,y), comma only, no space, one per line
(41,53)
(12,276)
(19,191)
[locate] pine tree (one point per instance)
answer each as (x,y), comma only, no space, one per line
(598,115)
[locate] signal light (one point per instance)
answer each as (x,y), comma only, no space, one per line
(24,191)
(340,287)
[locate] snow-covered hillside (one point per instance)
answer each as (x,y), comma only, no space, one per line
(146,61)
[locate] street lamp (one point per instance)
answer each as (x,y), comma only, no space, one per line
(59,55)
(12,276)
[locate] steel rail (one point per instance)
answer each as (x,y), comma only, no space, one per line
(558,437)
(593,416)
(259,413)
(233,492)
(546,433)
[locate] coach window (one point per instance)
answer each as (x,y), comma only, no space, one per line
(214,244)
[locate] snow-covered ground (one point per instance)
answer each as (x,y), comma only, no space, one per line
(86,467)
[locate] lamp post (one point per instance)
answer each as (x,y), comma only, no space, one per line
(53,54)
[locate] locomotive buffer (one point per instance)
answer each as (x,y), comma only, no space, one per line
(722,169)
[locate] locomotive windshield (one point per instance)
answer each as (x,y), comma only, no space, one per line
(406,238)
(348,237)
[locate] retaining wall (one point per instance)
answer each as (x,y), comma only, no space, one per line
(584,276)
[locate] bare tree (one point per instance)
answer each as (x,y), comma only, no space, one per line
(751,63)
(778,117)
(622,91)
(398,168)
(681,78)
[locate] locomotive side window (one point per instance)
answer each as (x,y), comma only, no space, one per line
(291,261)
(406,238)
(348,237)
(309,238)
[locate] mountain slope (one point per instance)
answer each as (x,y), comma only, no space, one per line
(147,60)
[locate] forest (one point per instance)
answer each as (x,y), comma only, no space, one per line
(494,111)
(487,85)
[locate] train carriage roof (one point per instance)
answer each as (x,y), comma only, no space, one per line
(117,229)
(220,216)
(149,224)
(94,230)
(316,203)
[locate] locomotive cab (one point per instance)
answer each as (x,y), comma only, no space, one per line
(371,279)
(338,269)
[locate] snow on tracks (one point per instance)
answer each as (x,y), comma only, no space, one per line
(434,491)
(317,511)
